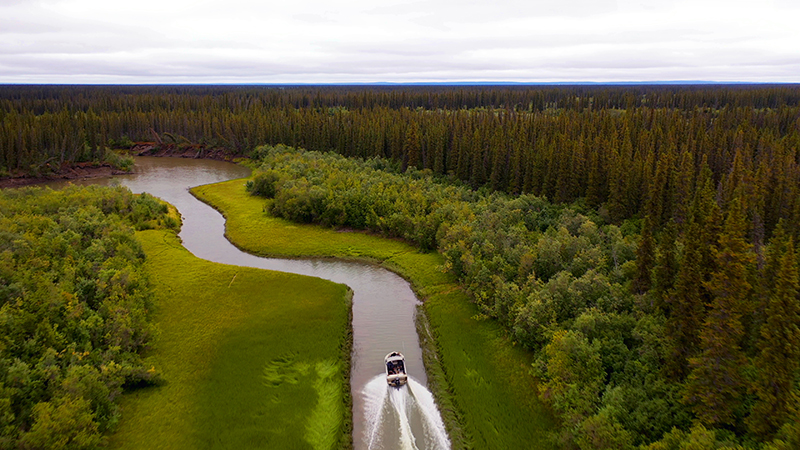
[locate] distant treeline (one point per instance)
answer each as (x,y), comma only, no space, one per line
(605,144)
(608,145)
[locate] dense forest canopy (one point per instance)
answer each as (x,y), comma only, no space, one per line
(604,144)
(74,311)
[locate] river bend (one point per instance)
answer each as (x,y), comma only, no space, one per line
(384,306)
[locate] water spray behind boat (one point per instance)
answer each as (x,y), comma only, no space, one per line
(401,412)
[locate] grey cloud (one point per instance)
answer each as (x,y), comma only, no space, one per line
(426,40)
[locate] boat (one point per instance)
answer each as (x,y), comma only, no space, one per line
(396,369)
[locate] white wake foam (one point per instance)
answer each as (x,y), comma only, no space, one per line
(434,427)
(404,417)
(375,394)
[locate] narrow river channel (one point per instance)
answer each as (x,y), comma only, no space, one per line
(384,306)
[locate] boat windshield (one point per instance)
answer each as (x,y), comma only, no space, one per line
(394,367)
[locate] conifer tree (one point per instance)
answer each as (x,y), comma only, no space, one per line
(666,266)
(411,147)
(645,257)
(779,356)
(594,189)
(683,188)
(659,202)
(715,385)
(618,184)
(478,166)
(687,301)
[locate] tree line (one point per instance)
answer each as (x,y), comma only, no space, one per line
(604,144)
(696,347)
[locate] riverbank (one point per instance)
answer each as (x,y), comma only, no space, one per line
(242,367)
(182,151)
(80,171)
(484,382)
(89,170)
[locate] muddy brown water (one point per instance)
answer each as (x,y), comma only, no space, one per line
(384,306)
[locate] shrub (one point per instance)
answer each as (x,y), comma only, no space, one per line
(263,184)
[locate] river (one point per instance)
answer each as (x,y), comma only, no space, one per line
(384,306)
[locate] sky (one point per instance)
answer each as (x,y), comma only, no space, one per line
(376,41)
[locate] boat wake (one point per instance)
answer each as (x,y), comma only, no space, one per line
(402,418)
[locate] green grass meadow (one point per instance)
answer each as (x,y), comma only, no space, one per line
(249,358)
(483,379)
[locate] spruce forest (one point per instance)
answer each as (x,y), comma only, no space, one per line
(640,241)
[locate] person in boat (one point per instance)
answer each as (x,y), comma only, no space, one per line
(395,369)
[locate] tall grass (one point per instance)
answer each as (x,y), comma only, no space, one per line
(246,355)
(495,393)
(325,423)
(484,383)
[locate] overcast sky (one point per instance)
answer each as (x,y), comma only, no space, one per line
(330,41)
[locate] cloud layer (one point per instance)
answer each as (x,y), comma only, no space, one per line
(311,41)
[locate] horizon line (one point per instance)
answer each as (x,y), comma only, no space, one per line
(436,83)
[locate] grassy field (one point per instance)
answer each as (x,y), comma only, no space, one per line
(250,358)
(483,381)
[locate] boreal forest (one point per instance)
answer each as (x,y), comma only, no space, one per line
(639,241)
